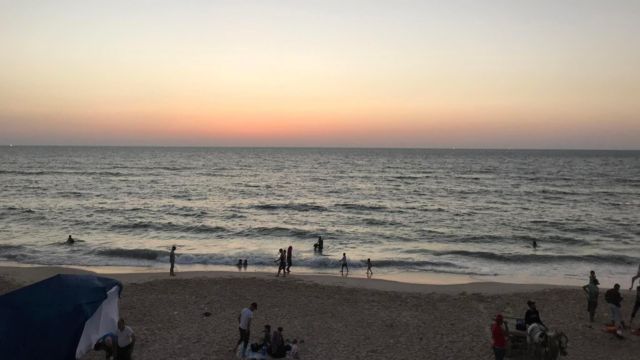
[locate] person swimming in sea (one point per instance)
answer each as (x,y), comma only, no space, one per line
(70,240)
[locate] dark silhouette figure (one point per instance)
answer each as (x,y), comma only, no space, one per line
(369,265)
(282,260)
(592,291)
(532,316)
(245,264)
(239,264)
(534,244)
(70,240)
(344,265)
(172,260)
(289,257)
(318,245)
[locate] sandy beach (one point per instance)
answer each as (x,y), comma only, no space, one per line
(340,318)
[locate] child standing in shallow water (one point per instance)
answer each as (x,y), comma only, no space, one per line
(369,271)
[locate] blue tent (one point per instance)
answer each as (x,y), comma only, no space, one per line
(59,318)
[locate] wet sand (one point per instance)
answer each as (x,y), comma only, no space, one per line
(340,318)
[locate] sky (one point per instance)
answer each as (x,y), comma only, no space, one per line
(466,74)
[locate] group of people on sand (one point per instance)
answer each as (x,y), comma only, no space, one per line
(533,324)
(272,344)
(118,345)
(613,299)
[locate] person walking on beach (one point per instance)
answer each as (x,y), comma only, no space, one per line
(282,259)
(592,292)
(613,298)
(244,326)
(126,340)
(369,271)
(343,261)
(633,279)
(289,257)
(499,337)
(636,306)
(172,260)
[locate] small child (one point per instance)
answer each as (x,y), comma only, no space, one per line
(293,353)
(369,271)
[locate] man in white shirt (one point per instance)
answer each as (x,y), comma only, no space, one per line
(126,339)
(244,325)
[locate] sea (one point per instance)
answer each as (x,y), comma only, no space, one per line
(416,213)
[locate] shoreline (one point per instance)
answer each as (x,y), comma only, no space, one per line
(25,274)
(408,278)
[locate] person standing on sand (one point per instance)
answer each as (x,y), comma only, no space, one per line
(172,260)
(343,261)
(244,326)
(282,259)
(633,279)
(613,298)
(499,337)
(369,271)
(126,340)
(592,292)
(289,257)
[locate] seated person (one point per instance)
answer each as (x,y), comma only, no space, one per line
(278,349)
(107,343)
(293,350)
(266,339)
(532,316)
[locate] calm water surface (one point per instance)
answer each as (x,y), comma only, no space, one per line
(469,212)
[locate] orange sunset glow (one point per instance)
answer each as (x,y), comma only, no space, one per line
(365,73)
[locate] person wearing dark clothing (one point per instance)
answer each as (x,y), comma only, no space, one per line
(289,257)
(282,260)
(592,292)
(278,348)
(532,316)
(70,240)
(613,298)
(172,260)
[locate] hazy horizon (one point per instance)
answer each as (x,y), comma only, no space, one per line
(409,74)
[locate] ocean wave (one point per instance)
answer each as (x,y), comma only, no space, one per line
(539,258)
(168,227)
(144,254)
(278,231)
(361,207)
(57,172)
(289,206)
(18,209)
(318,262)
